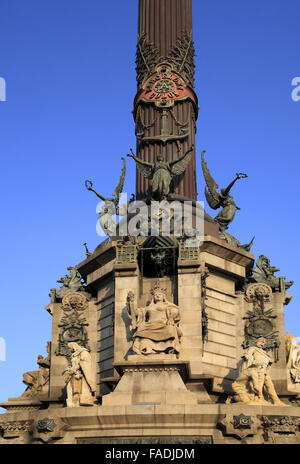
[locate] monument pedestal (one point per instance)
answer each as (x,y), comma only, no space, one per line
(151,381)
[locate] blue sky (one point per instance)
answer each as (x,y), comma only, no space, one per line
(70,74)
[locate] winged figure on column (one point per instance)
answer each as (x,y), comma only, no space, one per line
(222,200)
(161,172)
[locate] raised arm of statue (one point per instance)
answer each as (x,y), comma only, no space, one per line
(89,186)
(139,161)
(238,176)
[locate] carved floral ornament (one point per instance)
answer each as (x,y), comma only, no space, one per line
(74,301)
(46,425)
(48,430)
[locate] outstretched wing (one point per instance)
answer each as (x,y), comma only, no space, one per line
(179,167)
(120,185)
(212,196)
(145,170)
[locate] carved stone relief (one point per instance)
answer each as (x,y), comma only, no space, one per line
(280,429)
(175,440)
(73,324)
(264,273)
(157,325)
(164,82)
(15,428)
(189,249)
(46,425)
(260,321)
(126,251)
(292,358)
(181,57)
(231,240)
(254,384)
(70,284)
(240,425)
(204,315)
(47,430)
(37,381)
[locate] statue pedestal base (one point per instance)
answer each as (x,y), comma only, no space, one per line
(17,404)
(151,381)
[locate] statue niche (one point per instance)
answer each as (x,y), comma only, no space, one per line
(156,326)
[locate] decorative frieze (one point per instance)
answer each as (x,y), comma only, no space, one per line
(15,428)
(280,428)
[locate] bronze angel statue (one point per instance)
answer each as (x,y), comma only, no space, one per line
(110,207)
(162,171)
(220,200)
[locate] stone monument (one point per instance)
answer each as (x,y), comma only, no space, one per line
(165,337)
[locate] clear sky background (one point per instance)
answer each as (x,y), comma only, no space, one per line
(69,66)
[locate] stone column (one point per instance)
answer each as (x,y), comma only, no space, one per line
(165,107)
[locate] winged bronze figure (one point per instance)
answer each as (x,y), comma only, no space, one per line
(161,172)
(110,206)
(220,200)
